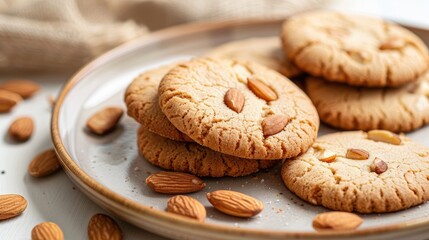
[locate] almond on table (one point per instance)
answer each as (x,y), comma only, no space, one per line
(104,120)
(11,205)
(47,231)
(174,183)
(21,129)
(235,203)
(8,100)
(103,227)
(25,88)
(187,206)
(44,164)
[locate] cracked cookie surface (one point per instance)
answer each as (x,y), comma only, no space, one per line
(400,109)
(192,97)
(265,51)
(350,185)
(357,50)
(142,103)
(194,158)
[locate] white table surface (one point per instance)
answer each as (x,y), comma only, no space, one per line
(55,198)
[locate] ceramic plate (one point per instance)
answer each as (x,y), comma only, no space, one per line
(110,171)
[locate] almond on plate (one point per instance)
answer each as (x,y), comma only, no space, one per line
(104,120)
(174,182)
(235,203)
(336,221)
(187,206)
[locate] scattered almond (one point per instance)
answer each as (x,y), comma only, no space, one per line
(384,136)
(234,99)
(21,129)
(357,154)
(104,120)
(392,44)
(8,100)
(379,166)
(274,124)
(11,205)
(235,203)
(25,88)
(336,221)
(103,227)
(187,206)
(260,89)
(44,164)
(174,183)
(327,156)
(47,231)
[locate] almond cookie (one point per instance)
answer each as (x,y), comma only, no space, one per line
(357,50)
(194,158)
(265,51)
(395,109)
(141,98)
(240,109)
(372,172)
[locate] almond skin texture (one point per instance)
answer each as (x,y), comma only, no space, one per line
(103,227)
(11,205)
(235,203)
(25,88)
(8,100)
(174,183)
(234,99)
(21,129)
(47,231)
(336,221)
(357,154)
(274,124)
(44,164)
(384,136)
(187,206)
(260,89)
(104,120)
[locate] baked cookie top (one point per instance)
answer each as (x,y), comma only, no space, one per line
(194,158)
(357,50)
(240,109)
(400,109)
(266,51)
(141,99)
(369,172)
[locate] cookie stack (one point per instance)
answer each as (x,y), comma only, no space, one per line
(213,117)
(365,73)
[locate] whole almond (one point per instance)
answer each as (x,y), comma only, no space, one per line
(384,136)
(187,206)
(234,99)
(103,227)
(174,183)
(274,124)
(392,44)
(357,154)
(44,164)
(25,88)
(8,100)
(235,203)
(47,231)
(104,120)
(336,221)
(327,156)
(11,205)
(260,89)
(379,166)
(21,129)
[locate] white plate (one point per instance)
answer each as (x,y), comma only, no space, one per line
(111,172)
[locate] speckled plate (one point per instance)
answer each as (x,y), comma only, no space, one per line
(110,171)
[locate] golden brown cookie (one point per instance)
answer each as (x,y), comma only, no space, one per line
(141,99)
(348,171)
(265,51)
(240,109)
(357,50)
(194,158)
(400,109)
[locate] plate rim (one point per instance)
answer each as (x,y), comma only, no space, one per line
(73,170)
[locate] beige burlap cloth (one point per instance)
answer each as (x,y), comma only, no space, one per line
(65,34)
